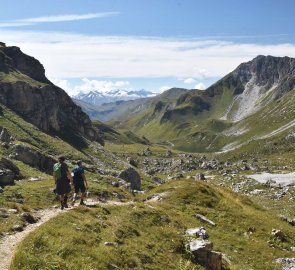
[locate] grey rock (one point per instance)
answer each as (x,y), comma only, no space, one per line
(132,162)
(198,232)
(4,215)
(132,176)
(8,164)
(4,135)
(203,254)
(168,153)
(204,219)
(13,211)
(34,158)
(279,235)
(28,217)
(287,263)
(200,245)
(8,172)
(200,176)
(6,177)
(291,221)
(18,228)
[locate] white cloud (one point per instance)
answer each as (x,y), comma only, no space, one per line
(14,24)
(67,55)
(64,84)
(200,86)
(164,88)
(102,86)
(57,18)
(189,81)
(201,73)
(87,85)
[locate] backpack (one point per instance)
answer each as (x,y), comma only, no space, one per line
(77,171)
(57,170)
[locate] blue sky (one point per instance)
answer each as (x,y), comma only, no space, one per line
(146,44)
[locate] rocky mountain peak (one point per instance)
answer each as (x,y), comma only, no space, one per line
(268,70)
(25,64)
(25,90)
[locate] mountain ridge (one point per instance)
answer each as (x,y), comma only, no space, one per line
(25,89)
(96,97)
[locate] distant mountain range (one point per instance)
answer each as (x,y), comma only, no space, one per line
(124,109)
(100,97)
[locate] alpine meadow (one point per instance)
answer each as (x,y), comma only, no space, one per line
(147,135)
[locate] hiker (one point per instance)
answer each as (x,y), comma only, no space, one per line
(62,178)
(80,182)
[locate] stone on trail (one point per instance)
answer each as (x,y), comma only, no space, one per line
(200,177)
(28,217)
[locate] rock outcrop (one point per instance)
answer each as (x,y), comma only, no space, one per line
(4,135)
(31,95)
(8,172)
(202,249)
(33,158)
(132,176)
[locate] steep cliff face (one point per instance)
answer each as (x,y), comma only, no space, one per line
(25,89)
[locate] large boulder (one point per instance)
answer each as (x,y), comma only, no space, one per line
(7,177)
(34,158)
(202,249)
(8,172)
(132,176)
(4,135)
(8,164)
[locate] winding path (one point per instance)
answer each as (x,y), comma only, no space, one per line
(9,243)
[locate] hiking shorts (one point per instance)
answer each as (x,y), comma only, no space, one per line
(79,187)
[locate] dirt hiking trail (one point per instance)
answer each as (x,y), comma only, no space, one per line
(9,243)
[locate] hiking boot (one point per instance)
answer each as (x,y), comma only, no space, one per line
(65,203)
(62,206)
(82,203)
(73,203)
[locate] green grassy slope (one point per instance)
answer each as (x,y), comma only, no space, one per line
(151,235)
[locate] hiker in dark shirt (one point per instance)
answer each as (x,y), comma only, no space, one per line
(80,182)
(62,178)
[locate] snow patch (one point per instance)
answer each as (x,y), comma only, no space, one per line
(287,179)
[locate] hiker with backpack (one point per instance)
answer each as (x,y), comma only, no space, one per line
(62,178)
(80,182)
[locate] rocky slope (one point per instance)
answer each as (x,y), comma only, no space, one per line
(25,89)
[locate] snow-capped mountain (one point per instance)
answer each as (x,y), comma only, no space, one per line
(99,97)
